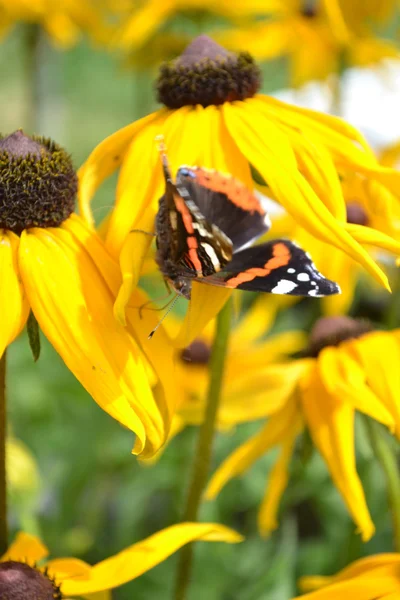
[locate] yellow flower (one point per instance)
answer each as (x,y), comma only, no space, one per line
(69,577)
(353,369)
(319,40)
(227,126)
(371,578)
(53,264)
(63,20)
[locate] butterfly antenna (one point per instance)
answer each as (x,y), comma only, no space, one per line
(162,319)
(162,149)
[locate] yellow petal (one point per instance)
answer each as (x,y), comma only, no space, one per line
(373,237)
(362,589)
(158,350)
(273,433)
(73,306)
(277,482)
(205,303)
(289,186)
(14,307)
(330,420)
(139,558)
(25,547)
(103,161)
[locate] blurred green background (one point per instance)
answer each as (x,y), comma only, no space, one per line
(94,498)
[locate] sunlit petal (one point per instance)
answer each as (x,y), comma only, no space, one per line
(25,547)
(14,307)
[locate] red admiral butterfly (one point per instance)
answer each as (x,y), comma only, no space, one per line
(204,224)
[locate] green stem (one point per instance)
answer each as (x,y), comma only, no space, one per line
(392,312)
(203,454)
(32,66)
(3,484)
(388,460)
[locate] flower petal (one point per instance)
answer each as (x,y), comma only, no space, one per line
(292,190)
(205,303)
(363,589)
(277,482)
(14,307)
(103,161)
(25,547)
(330,420)
(273,433)
(373,237)
(73,306)
(139,558)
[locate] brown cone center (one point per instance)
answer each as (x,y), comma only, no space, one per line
(19,581)
(356,213)
(198,353)
(331,331)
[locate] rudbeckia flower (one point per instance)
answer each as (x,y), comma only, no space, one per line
(319,38)
(214,117)
(24,572)
(52,264)
(349,369)
(248,355)
(63,20)
(372,578)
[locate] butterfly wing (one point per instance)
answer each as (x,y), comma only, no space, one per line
(186,239)
(225,202)
(277,267)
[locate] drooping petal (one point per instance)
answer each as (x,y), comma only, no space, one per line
(330,420)
(25,547)
(373,237)
(159,351)
(272,434)
(141,557)
(277,482)
(378,353)
(364,588)
(103,161)
(204,305)
(73,306)
(14,307)
(275,165)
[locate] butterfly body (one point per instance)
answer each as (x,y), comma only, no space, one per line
(205,226)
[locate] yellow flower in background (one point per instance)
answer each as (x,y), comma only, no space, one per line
(372,578)
(53,264)
(319,38)
(63,20)
(248,355)
(353,370)
(215,119)
(70,577)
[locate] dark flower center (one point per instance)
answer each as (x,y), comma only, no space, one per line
(207,74)
(198,353)
(38,183)
(332,331)
(19,581)
(309,9)
(356,213)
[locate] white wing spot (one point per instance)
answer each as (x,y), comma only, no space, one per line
(291,270)
(313,283)
(212,255)
(315,293)
(284,287)
(303,277)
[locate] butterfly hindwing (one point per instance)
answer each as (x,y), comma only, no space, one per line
(277,267)
(225,202)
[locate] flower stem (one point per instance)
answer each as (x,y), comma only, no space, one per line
(388,460)
(203,454)
(3,484)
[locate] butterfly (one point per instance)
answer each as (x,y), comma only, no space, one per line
(205,226)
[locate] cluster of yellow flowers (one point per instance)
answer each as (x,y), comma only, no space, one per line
(80,283)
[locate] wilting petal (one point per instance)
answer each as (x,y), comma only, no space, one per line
(14,307)
(330,419)
(273,433)
(103,161)
(205,303)
(26,547)
(277,482)
(73,306)
(290,187)
(139,558)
